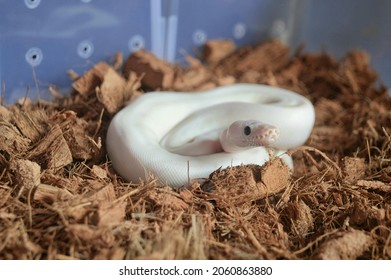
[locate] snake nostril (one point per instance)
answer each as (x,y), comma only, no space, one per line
(247,130)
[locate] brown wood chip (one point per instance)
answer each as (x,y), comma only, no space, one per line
(157,74)
(344,246)
(216,50)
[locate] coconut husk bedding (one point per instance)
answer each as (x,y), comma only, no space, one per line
(61,199)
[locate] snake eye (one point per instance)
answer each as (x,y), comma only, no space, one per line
(247,130)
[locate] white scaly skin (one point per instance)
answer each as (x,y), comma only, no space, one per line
(144,136)
(240,135)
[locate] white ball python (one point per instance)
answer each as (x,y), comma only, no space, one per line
(177,136)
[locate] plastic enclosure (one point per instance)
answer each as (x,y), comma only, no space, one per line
(40,39)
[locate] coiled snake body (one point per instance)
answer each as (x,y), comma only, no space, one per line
(177,136)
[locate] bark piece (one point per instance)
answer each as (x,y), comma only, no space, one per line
(32,123)
(51,194)
(243,184)
(52,152)
(157,74)
(109,213)
(374,186)
(11,140)
(166,198)
(76,132)
(215,50)
(354,168)
(87,83)
(347,245)
(27,173)
(116,90)
(269,56)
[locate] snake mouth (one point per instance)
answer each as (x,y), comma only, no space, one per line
(262,141)
(266,137)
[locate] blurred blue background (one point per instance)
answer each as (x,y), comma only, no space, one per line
(44,39)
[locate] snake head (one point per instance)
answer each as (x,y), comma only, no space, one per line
(248,134)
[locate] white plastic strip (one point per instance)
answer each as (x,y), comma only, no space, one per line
(158,23)
(171,30)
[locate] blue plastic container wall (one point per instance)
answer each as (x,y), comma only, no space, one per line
(191,23)
(40,40)
(338,26)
